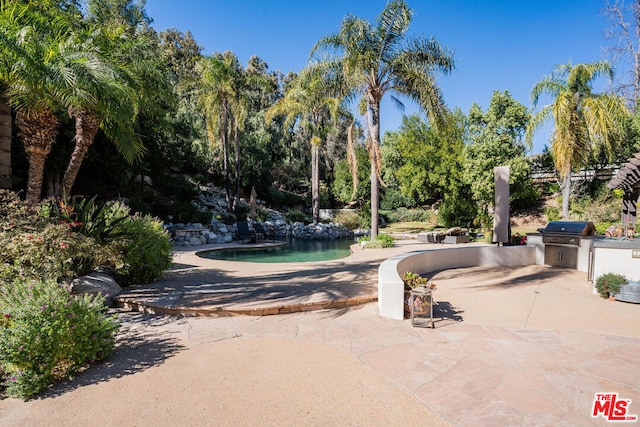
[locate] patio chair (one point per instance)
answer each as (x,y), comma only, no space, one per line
(243,232)
(258,232)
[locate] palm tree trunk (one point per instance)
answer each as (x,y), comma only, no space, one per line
(224,133)
(5,144)
(566,194)
(236,141)
(315,182)
(87,127)
(38,131)
(374,129)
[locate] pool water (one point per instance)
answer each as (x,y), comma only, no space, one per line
(295,250)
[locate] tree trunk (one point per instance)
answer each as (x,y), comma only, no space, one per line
(5,144)
(87,127)
(315,182)
(38,131)
(236,141)
(566,194)
(374,129)
(224,132)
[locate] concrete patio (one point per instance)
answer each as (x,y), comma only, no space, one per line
(512,346)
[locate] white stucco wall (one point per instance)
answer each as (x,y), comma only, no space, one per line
(615,260)
(391,287)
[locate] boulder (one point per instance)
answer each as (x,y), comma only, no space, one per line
(96,283)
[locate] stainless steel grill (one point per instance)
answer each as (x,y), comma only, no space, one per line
(561,241)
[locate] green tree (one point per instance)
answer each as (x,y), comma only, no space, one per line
(308,102)
(380,59)
(343,184)
(217,92)
(495,138)
(422,161)
(584,121)
(37,52)
(126,79)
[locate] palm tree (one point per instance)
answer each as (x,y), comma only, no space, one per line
(216,93)
(33,57)
(308,101)
(120,81)
(223,95)
(583,120)
(380,59)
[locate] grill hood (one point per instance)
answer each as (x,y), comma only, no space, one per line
(570,227)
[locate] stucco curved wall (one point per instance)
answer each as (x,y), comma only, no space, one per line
(391,287)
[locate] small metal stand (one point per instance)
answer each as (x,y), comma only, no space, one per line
(421,306)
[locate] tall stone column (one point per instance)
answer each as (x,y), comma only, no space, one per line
(5,144)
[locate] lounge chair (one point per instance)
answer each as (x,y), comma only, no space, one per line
(452,235)
(243,232)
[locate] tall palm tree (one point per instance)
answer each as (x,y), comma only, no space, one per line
(583,120)
(217,93)
(381,59)
(309,101)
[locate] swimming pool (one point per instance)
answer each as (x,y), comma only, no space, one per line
(294,250)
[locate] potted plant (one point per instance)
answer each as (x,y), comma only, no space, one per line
(609,284)
(411,281)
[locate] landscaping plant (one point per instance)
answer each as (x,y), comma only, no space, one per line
(48,334)
(381,241)
(610,283)
(145,248)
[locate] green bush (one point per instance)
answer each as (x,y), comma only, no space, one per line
(411,215)
(601,227)
(47,334)
(146,250)
(296,216)
(552,213)
(381,241)
(348,219)
(610,283)
(88,217)
(392,198)
(51,253)
(457,211)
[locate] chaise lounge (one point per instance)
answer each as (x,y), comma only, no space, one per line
(452,235)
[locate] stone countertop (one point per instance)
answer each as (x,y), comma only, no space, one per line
(617,244)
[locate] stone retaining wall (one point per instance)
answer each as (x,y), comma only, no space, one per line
(195,234)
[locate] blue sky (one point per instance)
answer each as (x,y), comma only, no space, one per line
(498,45)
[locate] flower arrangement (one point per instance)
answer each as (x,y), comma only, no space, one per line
(413,280)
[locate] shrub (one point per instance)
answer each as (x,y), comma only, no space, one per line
(51,253)
(518,239)
(146,250)
(610,283)
(296,216)
(411,215)
(348,219)
(392,198)
(97,220)
(601,227)
(552,213)
(47,334)
(382,241)
(457,211)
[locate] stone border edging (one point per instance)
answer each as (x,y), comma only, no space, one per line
(391,286)
(222,311)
